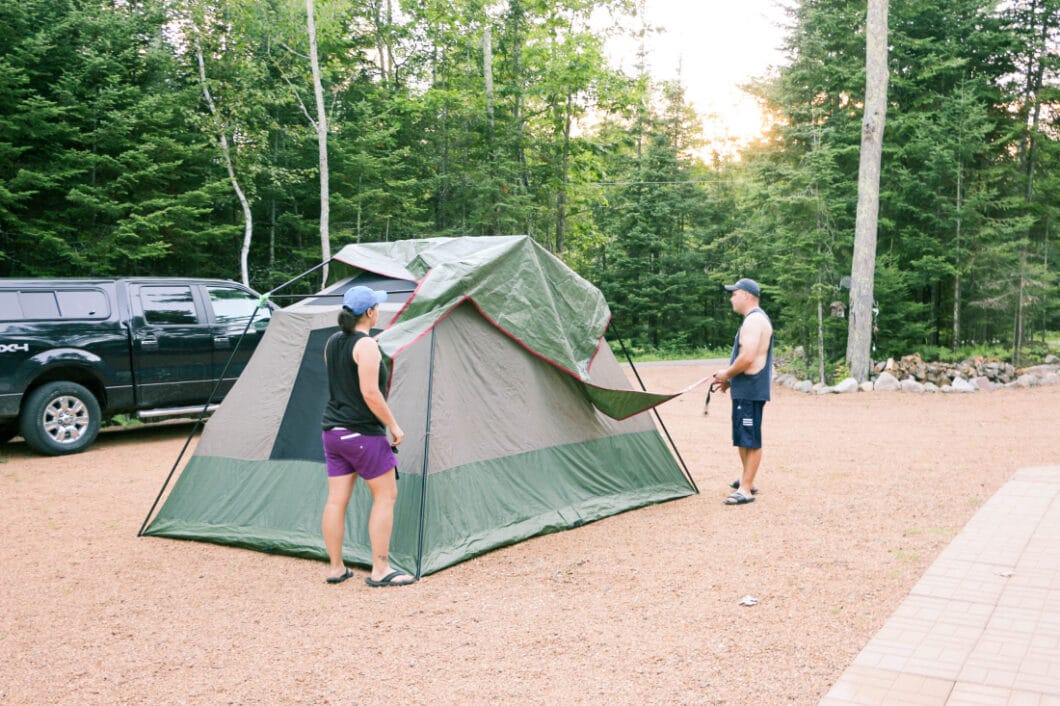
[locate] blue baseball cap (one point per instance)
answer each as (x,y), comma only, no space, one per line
(360,299)
(747,285)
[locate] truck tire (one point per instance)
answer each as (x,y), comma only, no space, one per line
(60,418)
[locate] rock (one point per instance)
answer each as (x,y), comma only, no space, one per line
(1027,381)
(939,374)
(911,385)
(969,375)
(785,379)
(846,385)
(1040,370)
(886,383)
(913,365)
(983,383)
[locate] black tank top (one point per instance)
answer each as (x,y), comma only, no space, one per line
(346,406)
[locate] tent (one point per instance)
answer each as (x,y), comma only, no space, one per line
(518,418)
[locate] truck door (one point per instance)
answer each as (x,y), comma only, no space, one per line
(230,308)
(172,346)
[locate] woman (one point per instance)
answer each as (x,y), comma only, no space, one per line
(356,420)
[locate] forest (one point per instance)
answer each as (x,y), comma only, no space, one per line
(250,139)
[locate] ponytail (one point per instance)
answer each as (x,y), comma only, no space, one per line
(347,320)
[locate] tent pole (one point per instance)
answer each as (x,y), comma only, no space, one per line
(629,358)
(297,277)
(426,460)
(213,392)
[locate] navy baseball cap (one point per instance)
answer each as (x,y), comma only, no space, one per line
(360,299)
(747,285)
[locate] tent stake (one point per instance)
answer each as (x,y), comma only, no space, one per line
(629,358)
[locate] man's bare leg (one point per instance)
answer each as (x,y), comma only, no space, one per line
(750,459)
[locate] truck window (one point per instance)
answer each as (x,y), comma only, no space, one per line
(9,308)
(234,306)
(168,305)
(82,304)
(38,305)
(47,304)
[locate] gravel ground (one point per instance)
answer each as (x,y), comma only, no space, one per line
(859,493)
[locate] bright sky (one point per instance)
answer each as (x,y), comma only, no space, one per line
(718,45)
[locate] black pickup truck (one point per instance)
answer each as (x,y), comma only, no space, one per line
(73,352)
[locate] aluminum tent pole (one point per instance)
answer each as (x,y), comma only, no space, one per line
(426,461)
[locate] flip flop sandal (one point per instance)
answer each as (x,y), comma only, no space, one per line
(339,579)
(735,485)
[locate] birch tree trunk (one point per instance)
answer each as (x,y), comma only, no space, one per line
(487,70)
(863,267)
(322,143)
(564,175)
(226,152)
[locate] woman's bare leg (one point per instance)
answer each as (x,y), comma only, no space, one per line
(333,522)
(381,524)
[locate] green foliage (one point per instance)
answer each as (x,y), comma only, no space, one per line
(122,420)
(641,354)
(110,160)
(794,361)
(840,371)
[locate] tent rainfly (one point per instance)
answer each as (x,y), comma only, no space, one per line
(518,419)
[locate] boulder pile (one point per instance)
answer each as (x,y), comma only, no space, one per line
(912,374)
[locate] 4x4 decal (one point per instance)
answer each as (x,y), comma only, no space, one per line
(14,348)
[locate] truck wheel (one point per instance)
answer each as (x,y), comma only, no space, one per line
(60,418)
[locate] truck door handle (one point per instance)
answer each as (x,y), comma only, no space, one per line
(149,344)
(220,342)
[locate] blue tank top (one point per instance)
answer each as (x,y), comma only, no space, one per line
(752,387)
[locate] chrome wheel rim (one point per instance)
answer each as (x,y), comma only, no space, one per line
(65,419)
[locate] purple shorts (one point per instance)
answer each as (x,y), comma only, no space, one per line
(347,452)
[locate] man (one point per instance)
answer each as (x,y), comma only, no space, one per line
(748,376)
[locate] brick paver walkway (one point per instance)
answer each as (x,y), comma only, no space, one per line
(982,627)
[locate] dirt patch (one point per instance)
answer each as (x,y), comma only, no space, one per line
(859,493)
